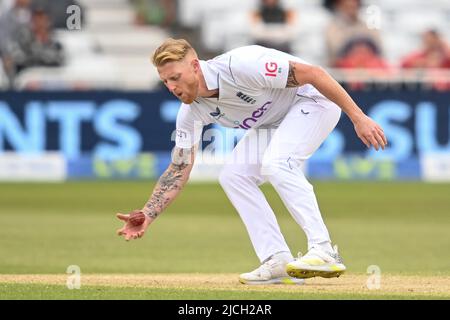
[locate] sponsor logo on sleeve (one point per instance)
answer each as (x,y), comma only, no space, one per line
(271,69)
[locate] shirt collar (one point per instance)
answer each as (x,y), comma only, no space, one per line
(210,74)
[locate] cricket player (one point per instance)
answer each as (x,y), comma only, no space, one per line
(257,89)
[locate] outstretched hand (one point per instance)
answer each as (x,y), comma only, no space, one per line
(130,231)
(370,133)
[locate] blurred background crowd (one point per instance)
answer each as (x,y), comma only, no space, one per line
(112,46)
(76,79)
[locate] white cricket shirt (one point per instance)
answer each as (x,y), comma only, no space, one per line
(252,93)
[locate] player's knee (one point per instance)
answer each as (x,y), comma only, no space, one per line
(274,169)
(270,167)
(232,177)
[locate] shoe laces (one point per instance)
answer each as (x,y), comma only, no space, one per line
(334,254)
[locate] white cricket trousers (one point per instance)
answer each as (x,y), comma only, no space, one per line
(277,155)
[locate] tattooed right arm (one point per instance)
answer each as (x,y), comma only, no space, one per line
(171,181)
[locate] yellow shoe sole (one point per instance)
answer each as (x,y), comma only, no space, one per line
(305,274)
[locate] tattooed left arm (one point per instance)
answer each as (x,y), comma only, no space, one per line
(168,187)
(171,182)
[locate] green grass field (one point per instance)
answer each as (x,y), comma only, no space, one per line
(404,228)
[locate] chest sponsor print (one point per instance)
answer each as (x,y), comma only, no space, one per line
(248,122)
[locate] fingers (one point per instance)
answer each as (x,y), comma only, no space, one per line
(376,139)
(364,140)
(130,235)
(381,132)
(373,142)
(123,217)
(379,137)
(133,236)
(371,134)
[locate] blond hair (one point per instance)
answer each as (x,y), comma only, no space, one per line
(171,50)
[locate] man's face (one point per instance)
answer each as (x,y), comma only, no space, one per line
(23,3)
(431,40)
(40,22)
(270,3)
(181,78)
(350,7)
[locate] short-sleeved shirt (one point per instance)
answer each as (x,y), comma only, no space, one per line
(252,93)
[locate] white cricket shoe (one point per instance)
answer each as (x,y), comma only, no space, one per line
(273,271)
(317,263)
